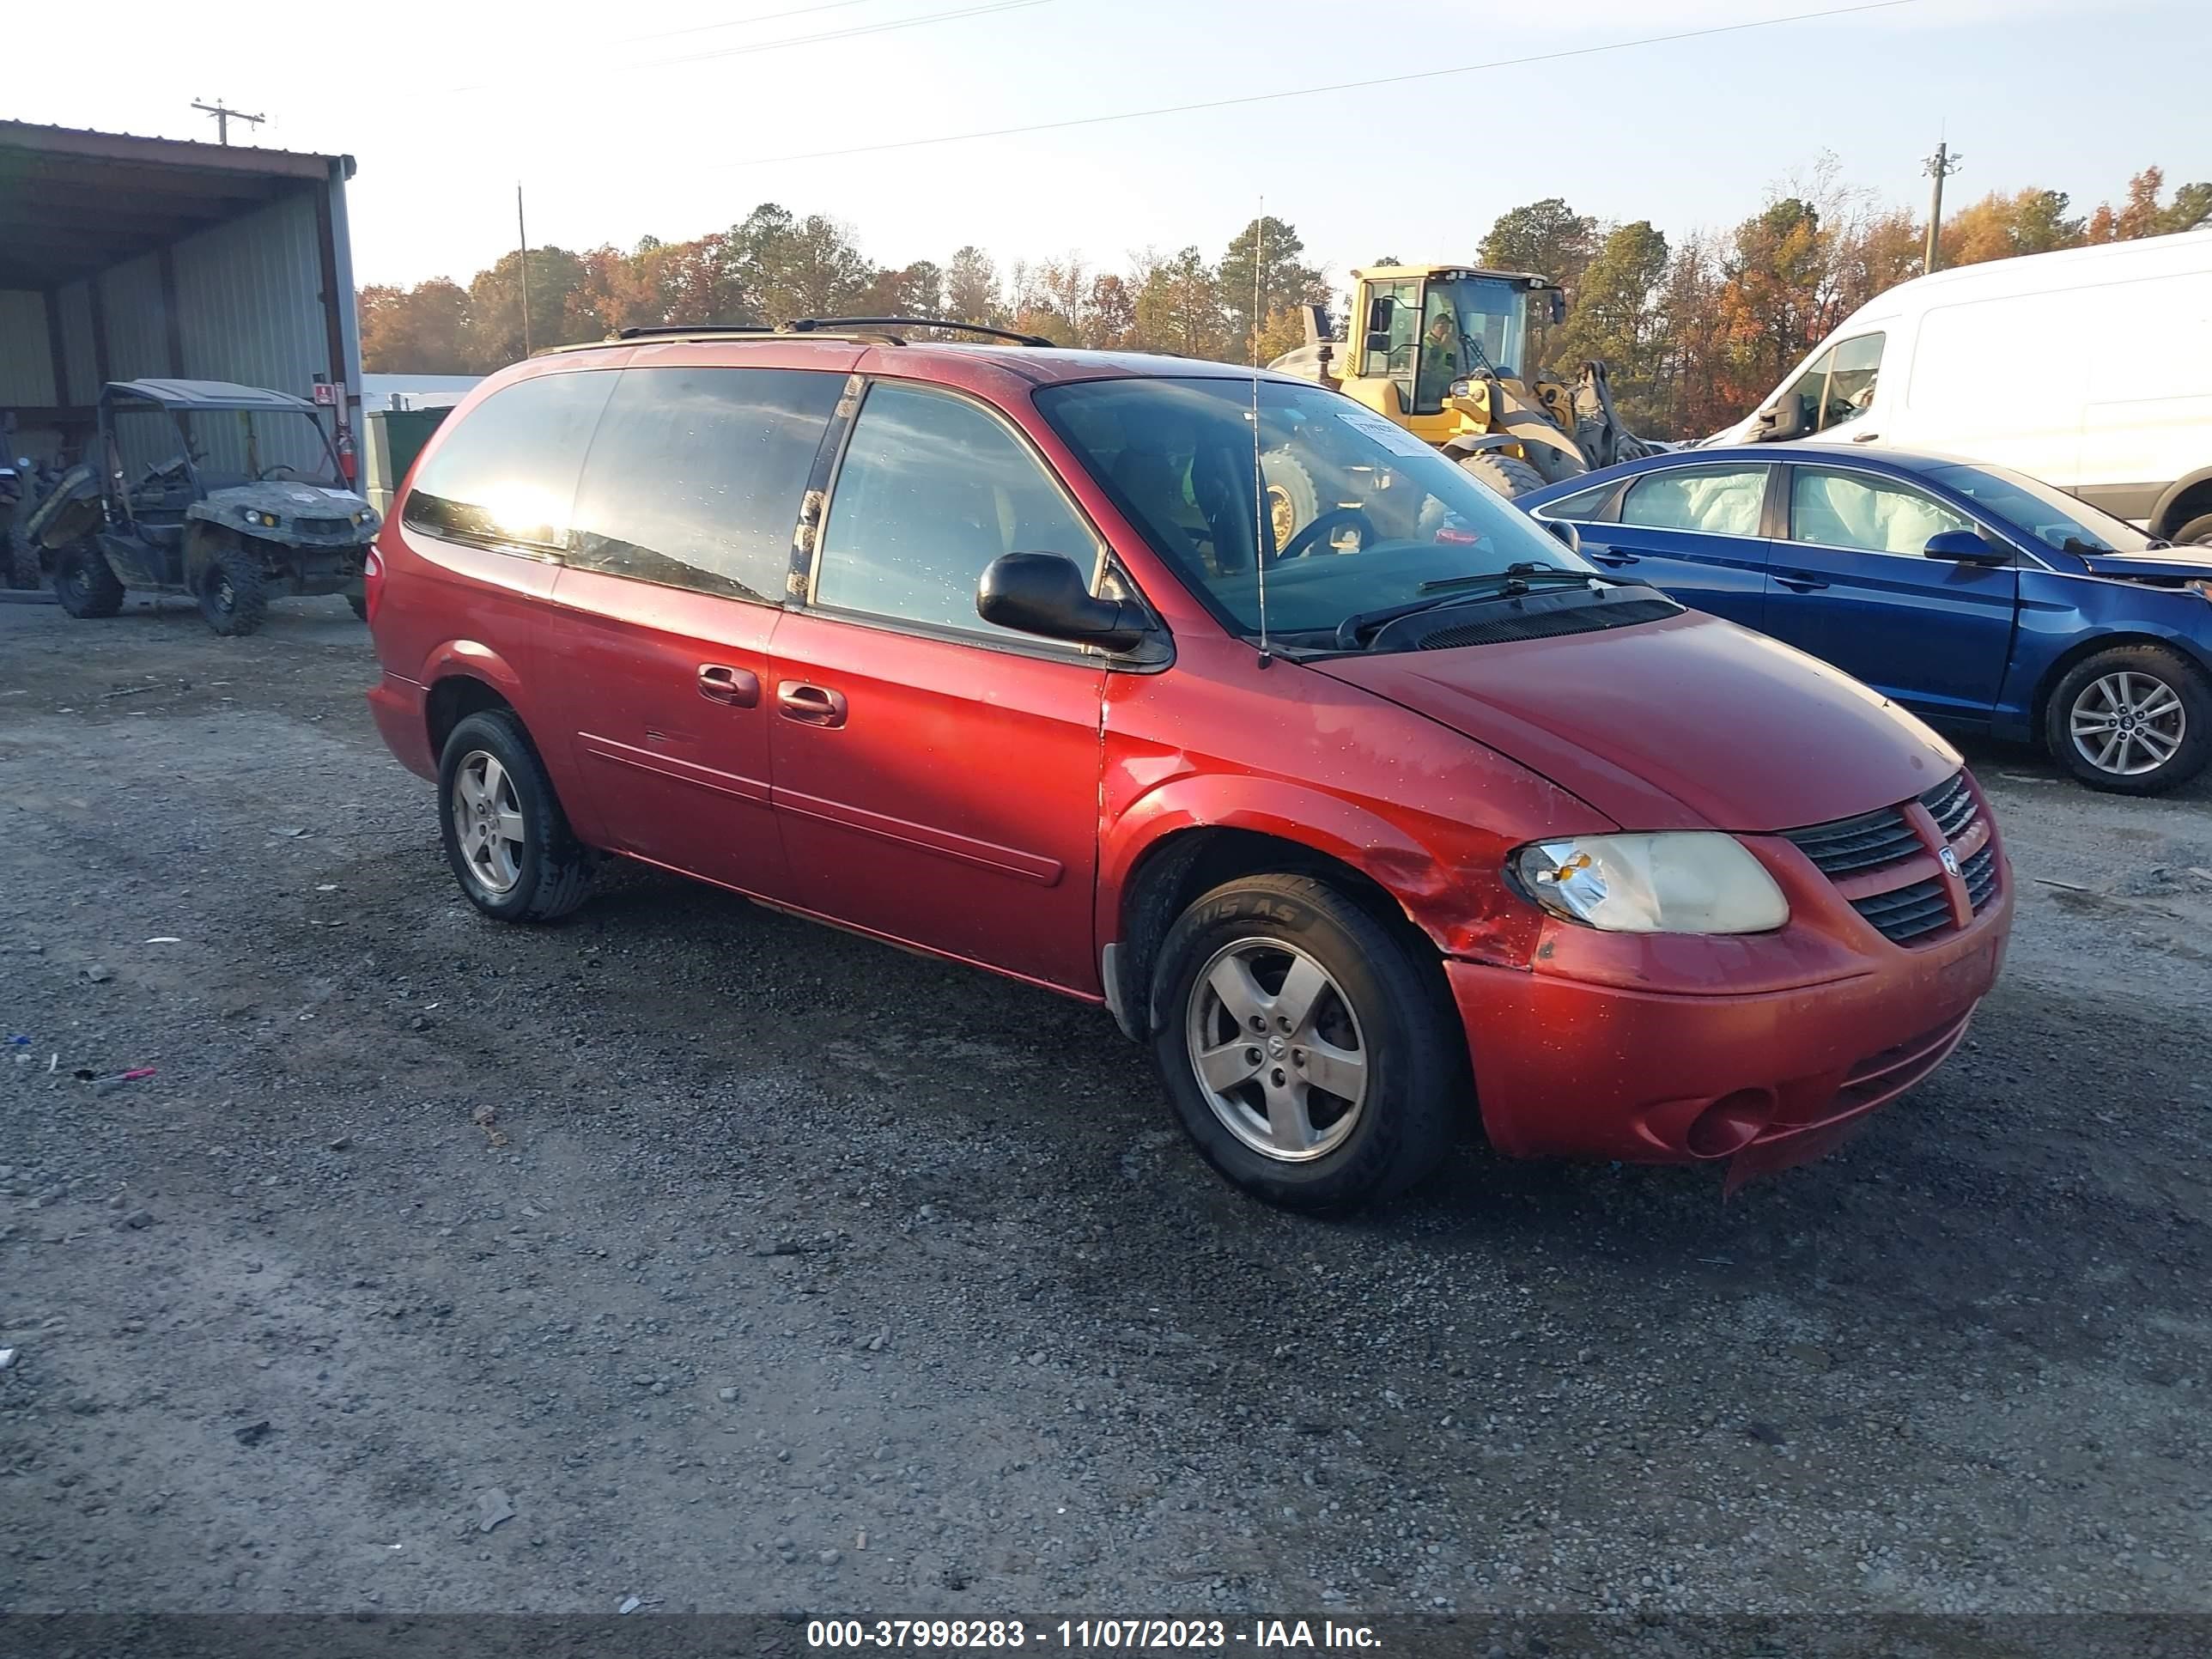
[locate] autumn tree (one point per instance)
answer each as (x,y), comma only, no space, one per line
(1178,308)
(2000,226)
(1617,317)
(1546,239)
(2139,213)
(418,330)
(971,288)
(1263,261)
(495,334)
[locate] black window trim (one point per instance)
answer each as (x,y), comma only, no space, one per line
(806,560)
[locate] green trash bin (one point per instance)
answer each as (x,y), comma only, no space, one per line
(396,437)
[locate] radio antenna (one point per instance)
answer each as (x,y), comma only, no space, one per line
(1259,525)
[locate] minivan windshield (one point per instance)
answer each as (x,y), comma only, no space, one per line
(2063,523)
(1360,515)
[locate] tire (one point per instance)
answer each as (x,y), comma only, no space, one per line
(547,875)
(1293,501)
(24,565)
(357,602)
(233,596)
(2167,697)
(1508,475)
(2197,532)
(1378,1004)
(85,583)
(1554,465)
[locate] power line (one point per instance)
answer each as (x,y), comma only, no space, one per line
(733,22)
(887,27)
(1306,92)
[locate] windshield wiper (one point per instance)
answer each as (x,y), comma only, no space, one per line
(1510,583)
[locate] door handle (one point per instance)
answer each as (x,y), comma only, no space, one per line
(809,705)
(1802,584)
(738,687)
(1864,437)
(1607,556)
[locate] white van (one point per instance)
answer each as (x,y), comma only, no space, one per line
(2090,368)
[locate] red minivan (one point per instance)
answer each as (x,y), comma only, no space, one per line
(1208,696)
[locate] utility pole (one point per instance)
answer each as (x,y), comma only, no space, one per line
(224,116)
(522,265)
(1939,167)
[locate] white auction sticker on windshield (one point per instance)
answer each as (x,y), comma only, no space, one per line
(1395,439)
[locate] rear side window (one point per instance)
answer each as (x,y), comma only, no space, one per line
(1717,500)
(1584,505)
(695,476)
(506,476)
(931,490)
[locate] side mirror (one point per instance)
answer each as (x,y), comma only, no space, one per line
(1558,298)
(1045,594)
(1964,547)
(1785,419)
(1565,532)
(1379,314)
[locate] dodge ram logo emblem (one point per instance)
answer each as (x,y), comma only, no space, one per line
(1950,861)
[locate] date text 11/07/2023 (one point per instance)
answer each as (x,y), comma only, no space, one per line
(1085,1635)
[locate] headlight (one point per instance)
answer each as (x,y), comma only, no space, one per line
(1687,882)
(1460,388)
(2200,587)
(266,520)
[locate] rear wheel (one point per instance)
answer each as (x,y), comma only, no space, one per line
(2136,720)
(84,583)
(505,835)
(1307,1050)
(1554,465)
(234,597)
(1293,503)
(357,602)
(2197,531)
(1508,475)
(23,562)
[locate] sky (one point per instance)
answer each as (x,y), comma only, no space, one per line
(678,119)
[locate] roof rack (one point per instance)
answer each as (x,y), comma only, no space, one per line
(869,327)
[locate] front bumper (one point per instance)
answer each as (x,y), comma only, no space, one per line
(1645,1050)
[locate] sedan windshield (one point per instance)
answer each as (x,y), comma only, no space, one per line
(2063,523)
(1360,515)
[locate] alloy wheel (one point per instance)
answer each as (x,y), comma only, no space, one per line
(1277,1049)
(488,821)
(2128,723)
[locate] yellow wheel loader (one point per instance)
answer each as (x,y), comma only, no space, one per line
(1442,350)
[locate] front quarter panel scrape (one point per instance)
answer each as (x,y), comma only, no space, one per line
(1423,812)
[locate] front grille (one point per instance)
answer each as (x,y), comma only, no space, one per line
(1549,624)
(1874,842)
(322,527)
(1952,806)
(1981,874)
(1866,843)
(1906,913)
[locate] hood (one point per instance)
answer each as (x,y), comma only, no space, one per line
(1690,723)
(289,499)
(2179,563)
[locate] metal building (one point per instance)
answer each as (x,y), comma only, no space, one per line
(124,258)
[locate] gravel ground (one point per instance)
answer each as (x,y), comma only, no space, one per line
(754,1267)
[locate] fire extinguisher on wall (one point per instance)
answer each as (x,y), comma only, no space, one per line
(348,459)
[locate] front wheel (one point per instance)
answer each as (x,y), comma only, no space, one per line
(1308,1052)
(234,594)
(2136,720)
(1508,475)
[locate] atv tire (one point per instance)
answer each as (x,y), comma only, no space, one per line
(1508,475)
(84,583)
(1293,501)
(234,597)
(25,568)
(357,602)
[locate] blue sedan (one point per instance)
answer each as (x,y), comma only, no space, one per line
(1978,598)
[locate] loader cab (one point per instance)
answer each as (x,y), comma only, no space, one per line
(1426,330)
